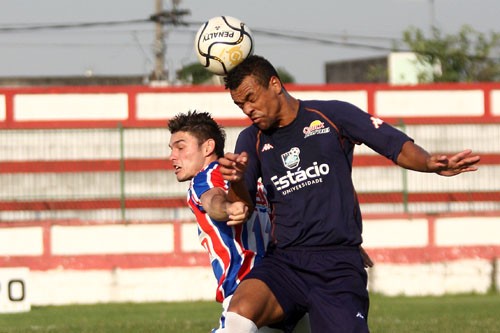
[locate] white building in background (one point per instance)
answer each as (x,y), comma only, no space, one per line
(404,68)
(397,68)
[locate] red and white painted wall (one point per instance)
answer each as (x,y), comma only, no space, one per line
(88,261)
(139,106)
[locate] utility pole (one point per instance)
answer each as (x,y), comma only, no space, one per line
(159,72)
(432,10)
(162,17)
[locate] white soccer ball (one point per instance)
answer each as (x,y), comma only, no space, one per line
(222,43)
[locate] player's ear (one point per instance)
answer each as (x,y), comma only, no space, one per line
(208,147)
(275,84)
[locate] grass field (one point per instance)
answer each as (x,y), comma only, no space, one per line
(461,313)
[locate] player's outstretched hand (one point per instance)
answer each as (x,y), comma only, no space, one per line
(451,166)
(233,166)
(237,212)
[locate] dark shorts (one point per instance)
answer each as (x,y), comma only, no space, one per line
(329,283)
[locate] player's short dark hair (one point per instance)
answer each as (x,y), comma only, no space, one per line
(202,126)
(257,66)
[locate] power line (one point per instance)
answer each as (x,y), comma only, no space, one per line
(324,40)
(172,17)
(70,25)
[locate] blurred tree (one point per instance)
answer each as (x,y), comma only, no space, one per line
(194,73)
(285,76)
(377,73)
(465,57)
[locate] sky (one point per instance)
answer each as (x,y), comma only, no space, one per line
(127,49)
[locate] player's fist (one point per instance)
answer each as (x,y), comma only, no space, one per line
(233,166)
(237,213)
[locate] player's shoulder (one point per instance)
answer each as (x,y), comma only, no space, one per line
(250,131)
(336,110)
(326,105)
(209,170)
(207,178)
(248,137)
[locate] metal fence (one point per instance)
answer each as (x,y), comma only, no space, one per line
(124,174)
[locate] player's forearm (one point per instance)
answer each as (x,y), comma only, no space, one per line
(216,207)
(414,157)
(239,192)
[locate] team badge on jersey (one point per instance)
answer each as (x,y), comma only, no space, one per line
(315,127)
(291,158)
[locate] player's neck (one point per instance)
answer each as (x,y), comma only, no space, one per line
(210,159)
(289,109)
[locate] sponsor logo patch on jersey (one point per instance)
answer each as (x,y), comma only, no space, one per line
(291,158)
(301,178)
(315,127)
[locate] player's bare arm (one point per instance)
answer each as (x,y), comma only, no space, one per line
(238,192)
(237,189)
(218,207)
(414,157)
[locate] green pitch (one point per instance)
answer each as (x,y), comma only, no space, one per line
(463,313)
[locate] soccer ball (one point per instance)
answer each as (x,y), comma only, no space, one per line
(222,43)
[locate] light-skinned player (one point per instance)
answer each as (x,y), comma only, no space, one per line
(234,247)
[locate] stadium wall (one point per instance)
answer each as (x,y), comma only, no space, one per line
(78,261)
(90,258)
(143,106)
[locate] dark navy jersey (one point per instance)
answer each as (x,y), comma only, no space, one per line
(306,169)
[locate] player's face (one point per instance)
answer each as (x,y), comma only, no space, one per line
(187,155)
(259,103)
